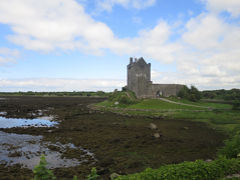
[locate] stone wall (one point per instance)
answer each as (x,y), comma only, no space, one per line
(166,90)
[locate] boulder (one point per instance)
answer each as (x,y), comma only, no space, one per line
(114,175)
(156,135)
(153,126)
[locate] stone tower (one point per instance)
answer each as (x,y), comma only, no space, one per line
(139,81)
(139,76)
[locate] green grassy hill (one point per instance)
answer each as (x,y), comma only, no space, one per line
(127,99)
(161,105)
(121,99)
(214,105)
(217,115)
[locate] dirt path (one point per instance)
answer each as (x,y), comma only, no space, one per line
(173,102)
(115,109)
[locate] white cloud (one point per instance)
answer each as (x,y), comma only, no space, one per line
(204,31)
(8,55)
(215,44)
(209,54)
(153,43)
(231,6)
(47,84)
(59,24)
(107,5)
(63,24)
(206,54)
(48,25)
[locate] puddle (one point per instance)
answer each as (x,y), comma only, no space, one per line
(27,149)
(3,113)
(20,122)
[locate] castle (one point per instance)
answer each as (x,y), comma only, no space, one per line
(139,81)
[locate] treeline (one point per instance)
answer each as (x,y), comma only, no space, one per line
(65,93)
(193,94)
(228,95)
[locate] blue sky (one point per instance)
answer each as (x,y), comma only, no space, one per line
(67,45)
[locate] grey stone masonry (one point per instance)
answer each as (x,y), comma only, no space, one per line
(139,81)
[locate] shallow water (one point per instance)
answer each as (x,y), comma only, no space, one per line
(27,149)
(21,122)
(3,113)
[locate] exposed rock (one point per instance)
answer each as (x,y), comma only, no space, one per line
(233,176)
(153,126)
(114,175)
(156,135)
(116,103)
(208,160)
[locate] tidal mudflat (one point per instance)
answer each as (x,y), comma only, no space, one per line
(80,138)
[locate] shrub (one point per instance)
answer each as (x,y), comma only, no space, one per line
(195,93)
(124,97)
(183,93)
(125,100)
(75,178)
(231,148)
(191,94)
(124,88)
(41,172)
(100,93)
(93,175)
(236,105)
(197,170)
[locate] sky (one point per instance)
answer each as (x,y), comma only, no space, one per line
(85,45)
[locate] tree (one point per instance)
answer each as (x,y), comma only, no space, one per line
(183,93)
(191,94)
(236,105)
(194,94)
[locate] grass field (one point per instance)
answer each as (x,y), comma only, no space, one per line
(227,120)
(151,104)
(202,103)
(158,104)
(216,115)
